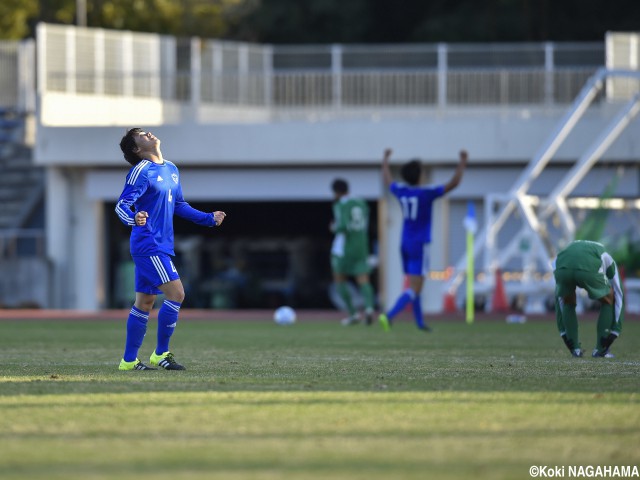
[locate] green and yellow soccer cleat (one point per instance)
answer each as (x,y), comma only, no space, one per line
(134,365)
(384,322)
(166,361)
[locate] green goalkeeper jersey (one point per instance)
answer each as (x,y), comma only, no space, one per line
(587,256)
(351,226)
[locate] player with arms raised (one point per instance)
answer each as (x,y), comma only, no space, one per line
(416,201)
(152,195)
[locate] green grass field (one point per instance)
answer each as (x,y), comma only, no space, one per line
(314,401)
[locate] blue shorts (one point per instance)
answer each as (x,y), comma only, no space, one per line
(415,260)
(153,271)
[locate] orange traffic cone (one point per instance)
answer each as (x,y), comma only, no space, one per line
(449,304)
(500,303)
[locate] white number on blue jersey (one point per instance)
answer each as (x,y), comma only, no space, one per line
(409,207)
(170,196)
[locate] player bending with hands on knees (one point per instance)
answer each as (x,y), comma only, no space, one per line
(587,265)
(152,195)
(416,201)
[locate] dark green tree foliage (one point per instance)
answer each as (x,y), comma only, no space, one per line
(15,16)
(385,21)
(339,21)
(318,21)
(203,18)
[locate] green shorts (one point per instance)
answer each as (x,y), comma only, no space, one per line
(349,265)
(596,284)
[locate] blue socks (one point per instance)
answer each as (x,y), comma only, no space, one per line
(136,329)
(417,312)
(406,297)
(167,321)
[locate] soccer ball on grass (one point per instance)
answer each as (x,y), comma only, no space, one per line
(284,316)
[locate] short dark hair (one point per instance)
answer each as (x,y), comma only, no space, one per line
(128,146)
(411,171)
(340,186)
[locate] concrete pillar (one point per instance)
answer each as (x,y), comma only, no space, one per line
(75,242)
(57,228)
(391,229)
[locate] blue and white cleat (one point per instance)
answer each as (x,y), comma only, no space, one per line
(605,354)
(166,361)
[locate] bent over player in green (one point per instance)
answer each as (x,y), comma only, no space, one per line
(587,265)
(350,249)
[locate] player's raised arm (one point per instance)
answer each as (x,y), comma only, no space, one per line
(386,170)
(457,176)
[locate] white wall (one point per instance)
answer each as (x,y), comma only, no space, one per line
(492,137)
(248,184)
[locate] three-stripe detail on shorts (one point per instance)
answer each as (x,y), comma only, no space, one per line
(164,276)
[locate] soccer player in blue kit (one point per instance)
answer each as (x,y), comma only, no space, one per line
(152,195)
(416,201)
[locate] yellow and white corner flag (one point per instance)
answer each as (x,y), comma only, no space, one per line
(471,226)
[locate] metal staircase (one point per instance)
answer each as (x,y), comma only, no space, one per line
(24,269)
(535,212)
(21,183)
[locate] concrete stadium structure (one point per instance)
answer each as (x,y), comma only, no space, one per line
(252,141)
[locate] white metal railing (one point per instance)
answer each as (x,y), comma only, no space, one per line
(102,62)
(17,75)
(623,52)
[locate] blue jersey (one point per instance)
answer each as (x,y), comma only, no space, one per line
(155,189)
(416,203)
